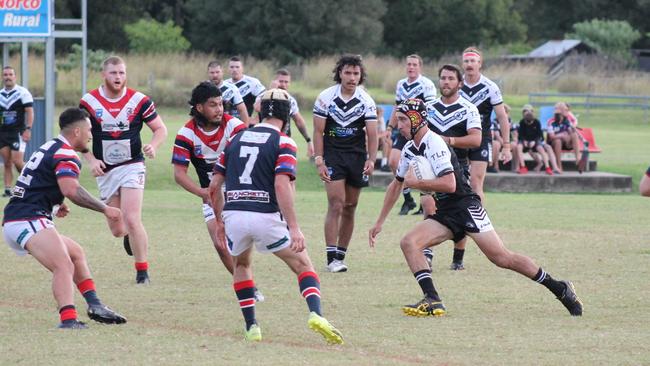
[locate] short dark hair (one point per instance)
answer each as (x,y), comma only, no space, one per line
(213,64)
(9,68)
(349,60)
(284,72)
(204,91)
(71,116)
(451,67)
(235,58)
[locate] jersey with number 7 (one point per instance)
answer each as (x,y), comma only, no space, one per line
(250,162)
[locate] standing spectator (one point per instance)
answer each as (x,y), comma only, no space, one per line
(343,115)
(52,175)
(249,87)
(562,135)
(459,214)
(118,114)
(531,139)
(16,120)
(259,211)
(282,81)
(233,103)
(414,85)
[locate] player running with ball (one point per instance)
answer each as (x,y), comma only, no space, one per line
(459,213)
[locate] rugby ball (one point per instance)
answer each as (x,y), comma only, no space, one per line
(422,168)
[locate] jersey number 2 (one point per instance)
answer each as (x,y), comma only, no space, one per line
(249,152)
(31,165)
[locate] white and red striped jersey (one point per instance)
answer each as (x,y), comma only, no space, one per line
(116,125)
(195,145)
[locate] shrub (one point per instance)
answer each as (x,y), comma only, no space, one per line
(150,36)
(611,37)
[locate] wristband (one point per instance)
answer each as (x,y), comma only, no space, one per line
(307,140)
(451,141)
(317,158)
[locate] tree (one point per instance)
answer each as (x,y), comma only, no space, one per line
(150,36)
(288,30)
(610,37)
(435,27)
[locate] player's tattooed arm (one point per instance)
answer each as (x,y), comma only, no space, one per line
(73,191)
(84,199)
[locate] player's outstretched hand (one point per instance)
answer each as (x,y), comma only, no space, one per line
(372,235)
(113,213)
(149,151)
(97,167)
(62,211)
(297,240)
(310,149)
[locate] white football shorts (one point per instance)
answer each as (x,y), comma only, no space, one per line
(18,233)
(128,175)
(267,231)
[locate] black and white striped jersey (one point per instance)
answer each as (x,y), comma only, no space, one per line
(249,88)
(422,88)
(484,95)
(12,108)
(453,120)
(345,120)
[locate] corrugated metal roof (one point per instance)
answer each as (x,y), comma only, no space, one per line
(554,48)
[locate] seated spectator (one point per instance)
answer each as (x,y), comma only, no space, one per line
(531,139)
(561,135)
(644,186)
(385,141)
(497,142)
(514,137)
(565,109)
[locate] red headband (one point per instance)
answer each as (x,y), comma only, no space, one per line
(469,54)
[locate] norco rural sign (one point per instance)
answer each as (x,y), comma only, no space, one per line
(24,18)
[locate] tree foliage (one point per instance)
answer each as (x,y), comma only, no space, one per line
(435,27)
(150,36)
(611,37)
(288,30)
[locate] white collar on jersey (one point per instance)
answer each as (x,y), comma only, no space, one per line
(101,92)
(8,90)
(480,78)
(65,141)
(266,124)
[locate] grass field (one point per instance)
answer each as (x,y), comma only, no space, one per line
(189,314)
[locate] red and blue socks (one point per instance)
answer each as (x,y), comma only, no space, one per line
(245,291)
(310,289)
(68,313)
(87,289)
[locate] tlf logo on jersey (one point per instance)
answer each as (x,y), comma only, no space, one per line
(99,113)
(197,150)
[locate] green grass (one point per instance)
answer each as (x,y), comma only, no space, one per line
(189,314)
